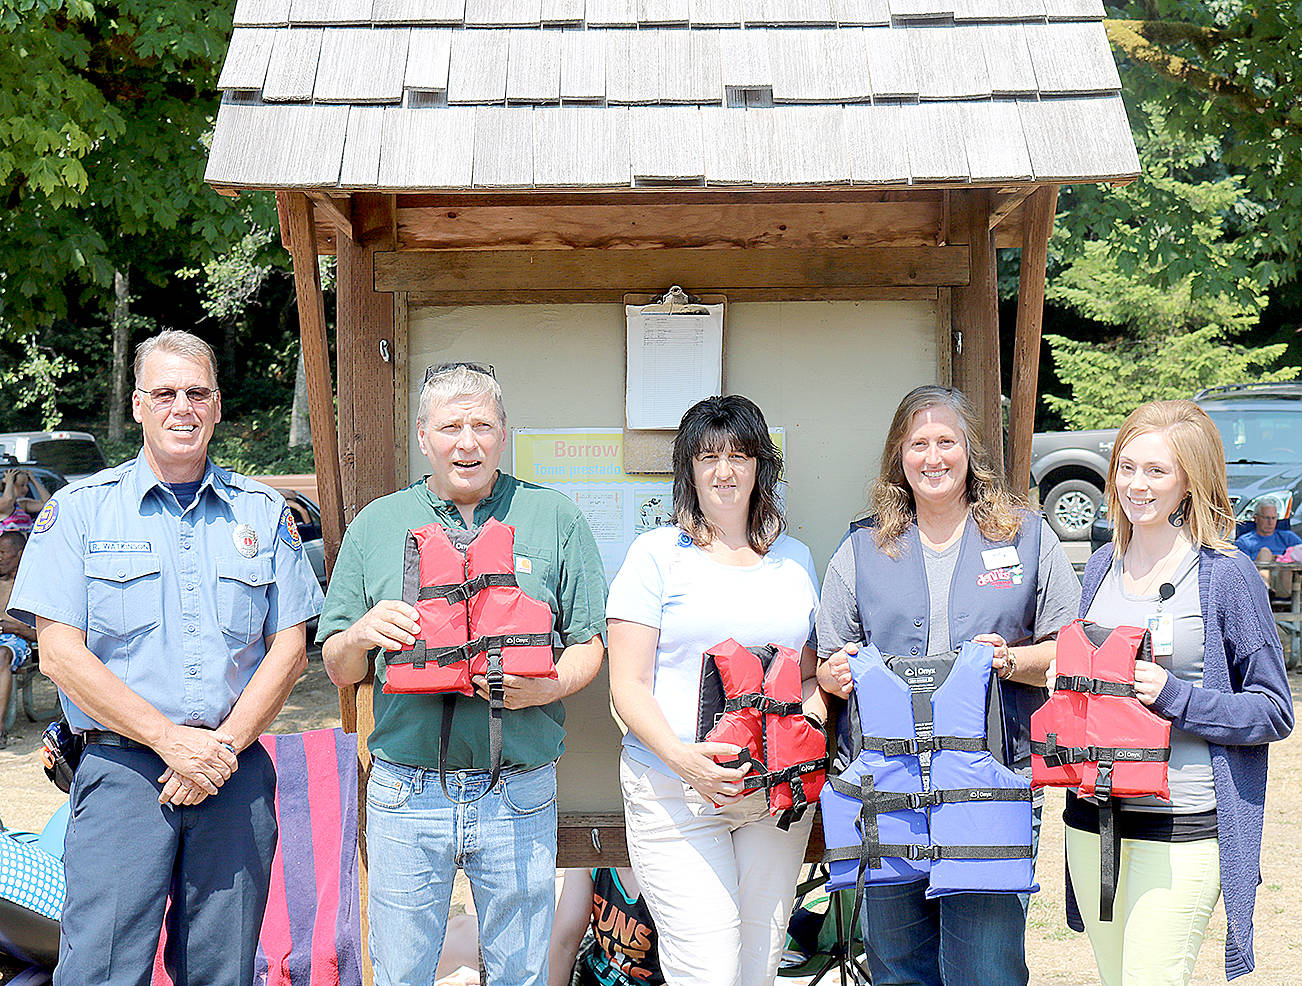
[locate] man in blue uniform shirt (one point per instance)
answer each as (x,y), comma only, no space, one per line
(169,598)
(1266,542)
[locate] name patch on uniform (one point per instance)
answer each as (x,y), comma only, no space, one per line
(1005,557)
(115,546)
(287,530)
(1000,578)
(46,518)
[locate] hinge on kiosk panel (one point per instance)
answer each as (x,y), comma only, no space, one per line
(958,342)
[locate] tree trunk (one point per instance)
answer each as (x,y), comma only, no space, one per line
(121,342)
(300,426)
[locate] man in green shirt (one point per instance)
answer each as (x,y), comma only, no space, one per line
(503,835)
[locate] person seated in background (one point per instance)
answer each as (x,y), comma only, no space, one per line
(15,637)
(1265,542)
(603,922)
(22,496)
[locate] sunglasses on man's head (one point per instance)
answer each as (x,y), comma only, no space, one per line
(437,368)
(163,397)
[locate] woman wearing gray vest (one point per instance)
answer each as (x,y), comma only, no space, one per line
(945,557)
(1217,675)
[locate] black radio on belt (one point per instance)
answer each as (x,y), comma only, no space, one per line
(60,753)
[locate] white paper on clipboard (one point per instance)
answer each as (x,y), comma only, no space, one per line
(674,360)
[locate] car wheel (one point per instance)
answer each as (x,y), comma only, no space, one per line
(1069,508)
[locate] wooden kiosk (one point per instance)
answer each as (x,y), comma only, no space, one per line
(494,176)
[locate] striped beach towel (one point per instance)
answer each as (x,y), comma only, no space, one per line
(311,934)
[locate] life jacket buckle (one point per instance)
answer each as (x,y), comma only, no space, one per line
(916,852)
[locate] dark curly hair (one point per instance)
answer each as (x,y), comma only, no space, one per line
(710,426)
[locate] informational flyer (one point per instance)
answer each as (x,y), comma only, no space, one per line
(587,465)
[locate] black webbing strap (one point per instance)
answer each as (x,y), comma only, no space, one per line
(1059,756)
(882,802)
(873,854)
(1094,686)
(496,703)
(461,592)
(766,705)
(912,746)
(1109,840)
(419,654)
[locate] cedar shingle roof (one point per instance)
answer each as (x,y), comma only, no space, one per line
(482,94)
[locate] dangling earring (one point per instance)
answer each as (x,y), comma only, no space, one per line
(1179,514)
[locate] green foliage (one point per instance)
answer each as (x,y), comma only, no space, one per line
(104,110)
(256,446)
(1109,381)
(35,382)
(230,282)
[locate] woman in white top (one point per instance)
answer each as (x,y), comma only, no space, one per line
(716,870)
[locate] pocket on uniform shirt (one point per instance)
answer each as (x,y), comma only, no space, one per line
(123,594)
(242,597)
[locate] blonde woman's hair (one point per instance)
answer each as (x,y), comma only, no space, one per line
(994,508)
(1196,445)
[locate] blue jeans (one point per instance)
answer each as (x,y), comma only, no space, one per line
(955,940)
(416,839)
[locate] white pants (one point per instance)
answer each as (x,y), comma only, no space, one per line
(719,881)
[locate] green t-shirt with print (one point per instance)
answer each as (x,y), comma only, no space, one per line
(557,562)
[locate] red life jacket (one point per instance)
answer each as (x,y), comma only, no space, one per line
(750,697)
(474,620)
(472,613)
(1096,736)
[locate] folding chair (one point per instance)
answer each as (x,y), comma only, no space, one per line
(822,932)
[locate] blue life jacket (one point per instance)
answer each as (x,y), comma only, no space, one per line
(923,798)
(894,606)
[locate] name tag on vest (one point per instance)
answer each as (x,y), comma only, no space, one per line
(1005,557)
(119,546)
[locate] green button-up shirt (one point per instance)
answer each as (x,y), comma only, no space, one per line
(557,562)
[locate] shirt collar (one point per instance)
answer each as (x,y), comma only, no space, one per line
(483,509)
(214,477)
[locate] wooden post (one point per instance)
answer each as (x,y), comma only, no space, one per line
(1036,230)
(300,226)
(976,316)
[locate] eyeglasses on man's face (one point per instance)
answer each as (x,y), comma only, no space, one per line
(437,368)
(162,398)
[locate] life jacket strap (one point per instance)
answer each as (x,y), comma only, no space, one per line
(496,703)
(460,592)
(881,802)
(912,745)
(1094,686)
(766,705)
(418,655)
(1059,756)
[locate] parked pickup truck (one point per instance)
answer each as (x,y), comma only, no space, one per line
(1070,468)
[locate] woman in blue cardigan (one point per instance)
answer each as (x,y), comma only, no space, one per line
(1218,675)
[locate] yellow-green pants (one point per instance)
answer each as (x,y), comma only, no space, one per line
(1165,895)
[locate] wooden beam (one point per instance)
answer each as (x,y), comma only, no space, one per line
(599,839)
(402,391)
(976,317)
(652,226)
(1026,346)
(337,211)
(945,337)
(615,295)
(297,212)
(365,346)
(1008,200)
(698,270)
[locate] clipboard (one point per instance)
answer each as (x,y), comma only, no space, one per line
(650,450)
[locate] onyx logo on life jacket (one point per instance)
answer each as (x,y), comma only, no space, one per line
(1096,736)
(750,697)
(474,620)
(923,784)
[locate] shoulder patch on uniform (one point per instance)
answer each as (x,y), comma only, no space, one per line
(288,530)
(46,518)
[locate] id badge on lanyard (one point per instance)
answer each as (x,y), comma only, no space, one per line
(1161,629)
